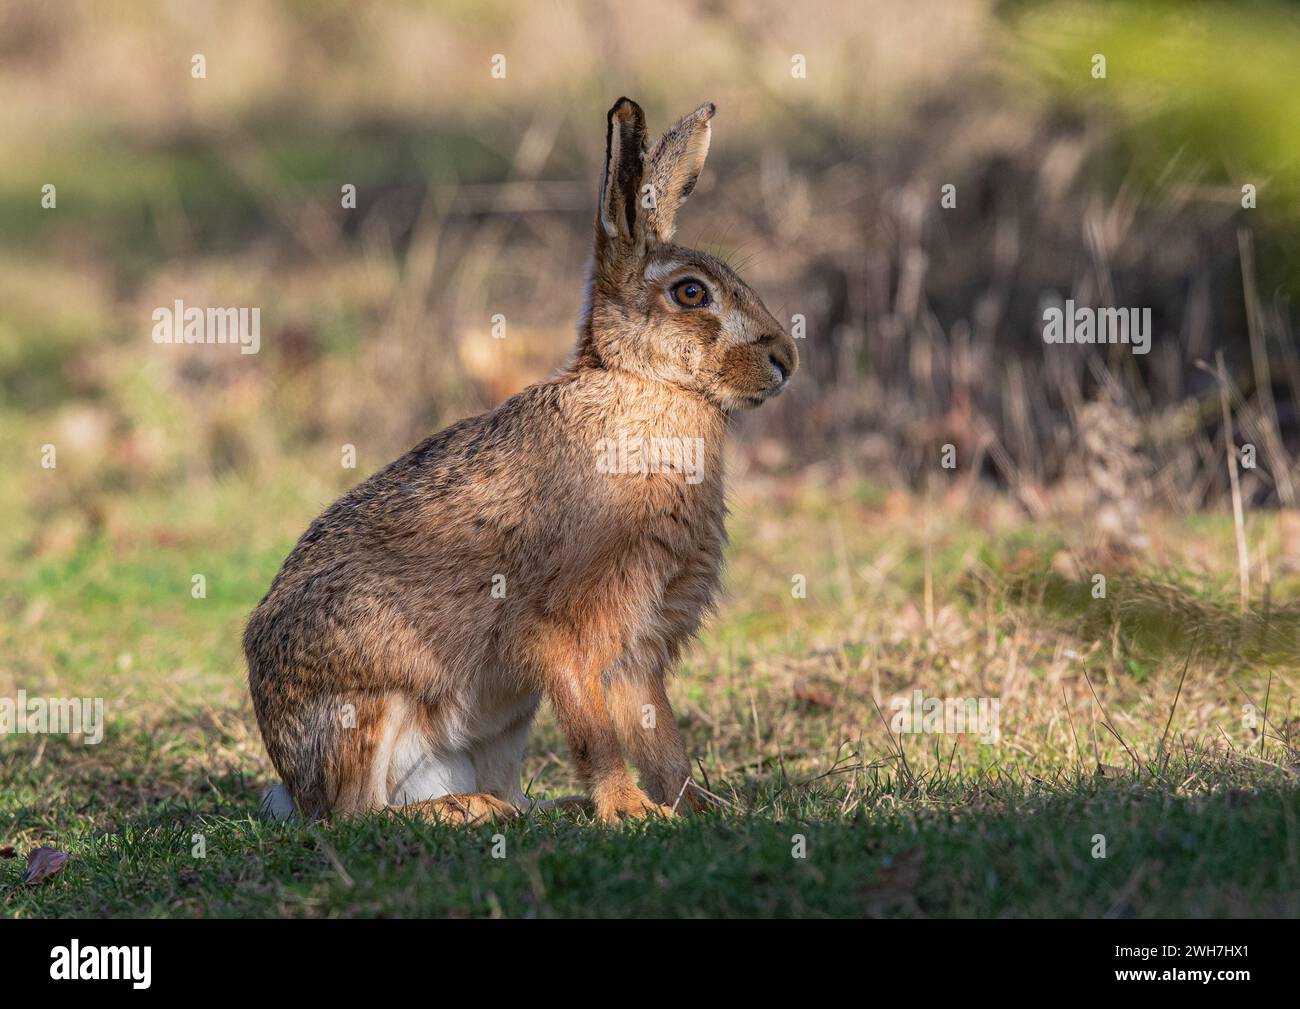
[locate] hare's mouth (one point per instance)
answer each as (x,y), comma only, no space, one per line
(771,392)
(777,387)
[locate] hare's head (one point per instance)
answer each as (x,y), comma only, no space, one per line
(660,310)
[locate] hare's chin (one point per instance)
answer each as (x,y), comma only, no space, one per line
(753,400)
(774,390)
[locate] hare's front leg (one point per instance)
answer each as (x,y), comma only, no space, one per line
(578,698)
(646,724)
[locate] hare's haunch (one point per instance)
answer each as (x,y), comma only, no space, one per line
(565,545)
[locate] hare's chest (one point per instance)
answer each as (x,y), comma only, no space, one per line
(687,570)
(691,534)
(649,563)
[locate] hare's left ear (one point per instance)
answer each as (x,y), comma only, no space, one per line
(674,166)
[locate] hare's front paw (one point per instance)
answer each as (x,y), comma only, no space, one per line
(628,804)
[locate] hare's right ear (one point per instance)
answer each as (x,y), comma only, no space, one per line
(675,166)
(621,228)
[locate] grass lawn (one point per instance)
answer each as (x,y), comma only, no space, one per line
(1118,785)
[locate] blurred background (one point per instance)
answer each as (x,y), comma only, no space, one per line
(475,193)
(859,567)
(473,135)
(185,473)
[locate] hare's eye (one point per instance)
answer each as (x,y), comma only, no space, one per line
(690,294)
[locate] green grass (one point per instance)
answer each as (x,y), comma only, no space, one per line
(992,848)
(1157,717)
(778,702)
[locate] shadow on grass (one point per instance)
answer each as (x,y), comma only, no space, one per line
(180,766)
(154,830)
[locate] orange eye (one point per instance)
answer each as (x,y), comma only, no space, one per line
(690,293)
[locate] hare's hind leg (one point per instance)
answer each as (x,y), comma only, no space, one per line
(467,809)
(332,753)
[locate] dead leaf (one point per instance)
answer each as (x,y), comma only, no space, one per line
(43,863)
(8,851)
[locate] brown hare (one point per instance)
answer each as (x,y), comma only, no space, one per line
(565,545)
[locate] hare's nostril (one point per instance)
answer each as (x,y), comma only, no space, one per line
(781,367)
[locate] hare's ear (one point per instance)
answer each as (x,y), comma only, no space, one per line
(675,165)
(622,216)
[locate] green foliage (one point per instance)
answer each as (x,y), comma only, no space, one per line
(1201,94)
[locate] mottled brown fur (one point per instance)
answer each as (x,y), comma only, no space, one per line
(381,658)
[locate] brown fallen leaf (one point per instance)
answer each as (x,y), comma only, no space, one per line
(8,851)
(43,863)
